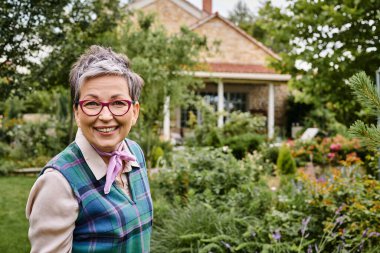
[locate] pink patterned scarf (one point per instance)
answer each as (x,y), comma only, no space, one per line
(115,164)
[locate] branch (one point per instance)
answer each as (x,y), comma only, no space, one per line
(365,91)
(370,135)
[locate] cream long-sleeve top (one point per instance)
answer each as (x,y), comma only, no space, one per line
(52,208)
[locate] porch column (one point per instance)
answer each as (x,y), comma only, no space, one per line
(270,111)
(220,103)
(166,127)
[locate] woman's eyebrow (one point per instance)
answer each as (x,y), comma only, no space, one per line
(91,95)
(112,97)
(117,95)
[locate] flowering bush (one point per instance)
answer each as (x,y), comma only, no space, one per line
(348,203)
(327,152)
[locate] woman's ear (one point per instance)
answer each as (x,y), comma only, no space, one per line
(76,115)
(136,111)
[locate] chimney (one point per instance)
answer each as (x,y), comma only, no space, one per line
(207,6)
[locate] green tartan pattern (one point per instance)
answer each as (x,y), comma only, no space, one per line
(108,222)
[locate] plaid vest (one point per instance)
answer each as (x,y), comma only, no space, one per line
(112,222)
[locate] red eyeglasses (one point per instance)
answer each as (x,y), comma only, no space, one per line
(116,107)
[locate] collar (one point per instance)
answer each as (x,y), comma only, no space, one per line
(93,159)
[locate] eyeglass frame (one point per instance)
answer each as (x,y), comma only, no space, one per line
(129,102)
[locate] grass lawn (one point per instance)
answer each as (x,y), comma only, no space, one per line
(13,224)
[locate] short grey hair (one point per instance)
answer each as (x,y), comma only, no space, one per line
(100,61)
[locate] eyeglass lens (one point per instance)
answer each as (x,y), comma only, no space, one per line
(118,107)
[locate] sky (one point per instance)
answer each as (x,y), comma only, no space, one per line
(225,6)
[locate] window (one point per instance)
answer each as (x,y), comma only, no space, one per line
(233,101)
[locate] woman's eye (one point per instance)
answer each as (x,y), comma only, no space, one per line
(119,103)
(91,103)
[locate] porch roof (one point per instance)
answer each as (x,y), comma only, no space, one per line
(246,73)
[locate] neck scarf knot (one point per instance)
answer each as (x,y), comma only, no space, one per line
(115,164)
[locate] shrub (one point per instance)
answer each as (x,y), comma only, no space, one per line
(242,144)
(7,166)
(32,144)
(242,133)
(205,174)
(5,149)
(285,162)
(243,122)
(326,151)
(347,204)
(31,140)
(269,153)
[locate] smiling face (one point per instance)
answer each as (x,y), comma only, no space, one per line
(106,131)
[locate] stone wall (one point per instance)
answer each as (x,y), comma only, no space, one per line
(170,15)
(232,46)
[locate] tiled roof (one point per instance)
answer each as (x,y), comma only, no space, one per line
(238,68)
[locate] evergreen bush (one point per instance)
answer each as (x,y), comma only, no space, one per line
(285,162)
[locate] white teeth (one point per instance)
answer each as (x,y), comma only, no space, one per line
(106,130)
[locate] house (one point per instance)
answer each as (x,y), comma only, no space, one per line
(237,76)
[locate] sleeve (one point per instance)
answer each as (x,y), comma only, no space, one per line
(52,210)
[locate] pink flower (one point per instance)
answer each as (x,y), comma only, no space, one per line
(335,147)
(331,155)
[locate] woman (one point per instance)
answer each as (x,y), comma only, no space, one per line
(94,196)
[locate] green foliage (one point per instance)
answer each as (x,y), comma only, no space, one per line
(320,54)
(241,14)
(197,173)
(13,108)
(269,152)
(370,134)
(32,144)
(285,162)
(365,92)
(184,230)
(243,122)
(243,143)
(249,216)
(59,29)
(242,133)
(367,95)
(348,212)
(28,144)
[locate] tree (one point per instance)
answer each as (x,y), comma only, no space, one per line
(254,25)
(60,30)
(325,42)
(241,14)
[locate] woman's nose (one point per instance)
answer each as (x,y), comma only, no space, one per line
(105,114)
